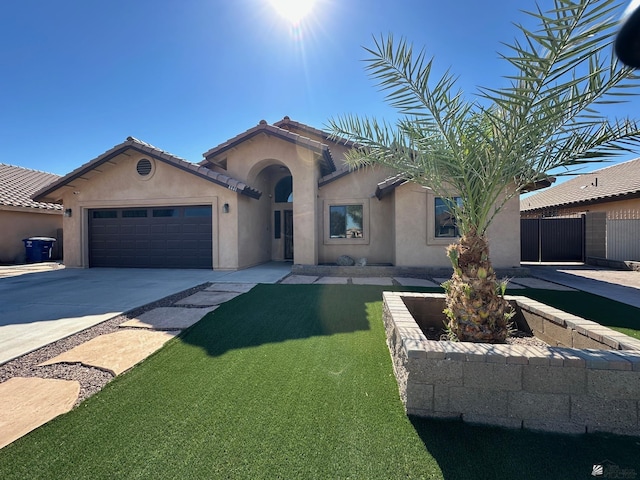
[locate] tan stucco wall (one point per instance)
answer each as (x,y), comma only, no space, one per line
(18,224)
(415,241)
(358,187)
(396,227)
(118,185)
(248,161)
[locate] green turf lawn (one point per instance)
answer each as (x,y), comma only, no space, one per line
(287,381)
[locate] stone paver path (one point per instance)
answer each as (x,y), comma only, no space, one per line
(230,287)
(115,352)
(168,318)
(208,298)
(415,282)
(332,281)
(299,280)
(27,403)
(372,281)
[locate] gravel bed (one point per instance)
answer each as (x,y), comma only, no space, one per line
(91,379)
(517,337)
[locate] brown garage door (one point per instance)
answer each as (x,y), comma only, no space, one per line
(156,237)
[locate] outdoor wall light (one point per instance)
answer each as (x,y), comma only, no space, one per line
(225,208)
(67,212)
(627,45)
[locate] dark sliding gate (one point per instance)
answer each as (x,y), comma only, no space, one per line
(552,239)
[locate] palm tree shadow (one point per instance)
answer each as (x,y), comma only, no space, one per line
(277,313)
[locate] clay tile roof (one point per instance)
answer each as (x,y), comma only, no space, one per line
(390,184)
(327,165)
(18,184)
(607,184)
(134,144)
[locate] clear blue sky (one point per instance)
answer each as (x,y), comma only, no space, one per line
(78,76)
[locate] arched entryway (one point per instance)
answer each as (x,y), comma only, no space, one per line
(283,214)
(274,179)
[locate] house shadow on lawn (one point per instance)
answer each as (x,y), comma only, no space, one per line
(465,451)
(277,313)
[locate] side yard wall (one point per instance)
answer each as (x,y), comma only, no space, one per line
(16,225)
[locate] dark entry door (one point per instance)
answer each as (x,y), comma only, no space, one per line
(288,234)
(151,237)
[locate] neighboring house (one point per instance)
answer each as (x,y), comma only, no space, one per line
(608,198)
(272,193)
(20,216)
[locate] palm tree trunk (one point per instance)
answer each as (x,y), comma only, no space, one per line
(476,307)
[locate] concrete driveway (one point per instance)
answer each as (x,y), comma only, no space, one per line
(39,308)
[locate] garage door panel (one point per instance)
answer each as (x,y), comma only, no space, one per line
(163,237)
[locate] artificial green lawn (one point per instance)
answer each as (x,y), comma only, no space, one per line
(287,381)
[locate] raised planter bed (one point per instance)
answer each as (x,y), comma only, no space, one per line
(587,380)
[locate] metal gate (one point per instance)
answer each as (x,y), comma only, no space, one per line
(552,239)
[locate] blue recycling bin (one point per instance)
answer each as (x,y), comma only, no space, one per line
(38,249)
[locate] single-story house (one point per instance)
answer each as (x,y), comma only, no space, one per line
(608,198)
(22,217)
(276,192)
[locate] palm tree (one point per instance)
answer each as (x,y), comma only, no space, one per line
(488,150)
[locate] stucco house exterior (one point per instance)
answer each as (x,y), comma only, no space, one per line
(22,217)
(276,192)
(609,201)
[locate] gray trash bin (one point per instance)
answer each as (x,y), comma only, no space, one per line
(38,249)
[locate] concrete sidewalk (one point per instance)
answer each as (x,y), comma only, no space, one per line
(620,285)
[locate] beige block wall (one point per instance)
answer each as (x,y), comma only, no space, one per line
(23,223)
(118,186)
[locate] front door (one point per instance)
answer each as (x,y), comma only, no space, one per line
(288,234)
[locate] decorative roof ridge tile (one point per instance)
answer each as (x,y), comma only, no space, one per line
(339,140)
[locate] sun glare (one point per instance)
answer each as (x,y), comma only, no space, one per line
(293,10)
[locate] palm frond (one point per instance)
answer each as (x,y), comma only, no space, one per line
(546,117)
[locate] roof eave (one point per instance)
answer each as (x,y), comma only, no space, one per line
(586,203)
(164,157)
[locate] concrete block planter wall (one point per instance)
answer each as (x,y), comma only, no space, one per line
(587,380)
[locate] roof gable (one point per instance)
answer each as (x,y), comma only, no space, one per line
(18,184)
(607,184)
(327,164)
(137,145)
